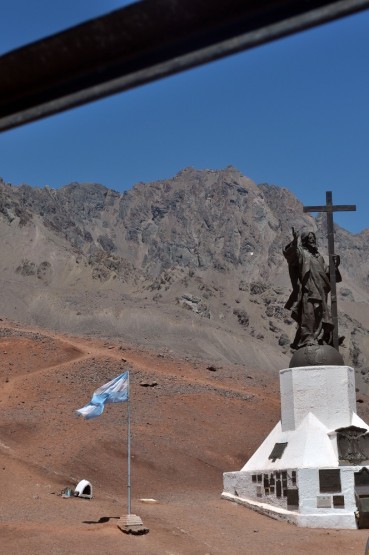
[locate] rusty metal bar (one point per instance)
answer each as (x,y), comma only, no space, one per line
(142,42)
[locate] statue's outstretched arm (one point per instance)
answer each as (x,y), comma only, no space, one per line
(290,252)
(295,235)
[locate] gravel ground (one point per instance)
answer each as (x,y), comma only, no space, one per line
(195,424)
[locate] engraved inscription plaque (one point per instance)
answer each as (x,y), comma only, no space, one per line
(362,477)
(339,501)
(292,498)
(277,451)
(324,502)
(353,445)
(330,480)
(279,489)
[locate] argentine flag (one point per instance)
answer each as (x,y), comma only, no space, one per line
(115,391)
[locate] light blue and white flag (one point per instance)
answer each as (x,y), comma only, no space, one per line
(115,391)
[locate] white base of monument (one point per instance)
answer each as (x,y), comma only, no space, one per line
(313,468)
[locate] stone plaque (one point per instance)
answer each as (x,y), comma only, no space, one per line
(324,502)
(330,480)
(362,477)
(277,451)
(339,501)
(292,498)
(279,489)
(353,445)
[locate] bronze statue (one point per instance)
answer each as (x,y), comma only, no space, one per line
(310,287)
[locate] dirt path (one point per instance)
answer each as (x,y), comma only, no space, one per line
(189,428)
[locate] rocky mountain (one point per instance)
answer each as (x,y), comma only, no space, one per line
(191,264)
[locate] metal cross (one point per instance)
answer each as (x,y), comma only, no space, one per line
(329,208)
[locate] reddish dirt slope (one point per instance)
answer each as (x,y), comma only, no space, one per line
(189,428)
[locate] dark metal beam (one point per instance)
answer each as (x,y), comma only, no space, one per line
(143,42)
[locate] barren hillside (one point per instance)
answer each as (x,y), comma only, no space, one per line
(183,283)
(190,423)
(191,265)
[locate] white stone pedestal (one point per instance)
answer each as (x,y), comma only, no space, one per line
(299,473)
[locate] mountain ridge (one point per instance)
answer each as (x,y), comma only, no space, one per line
(193,263)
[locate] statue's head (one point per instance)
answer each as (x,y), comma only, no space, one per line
(308,239)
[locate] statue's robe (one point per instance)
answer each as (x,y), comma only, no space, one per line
(308,300)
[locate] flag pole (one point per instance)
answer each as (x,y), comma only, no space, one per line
(130,524)
(129,449)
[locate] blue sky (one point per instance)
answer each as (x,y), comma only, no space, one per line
(293,113)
